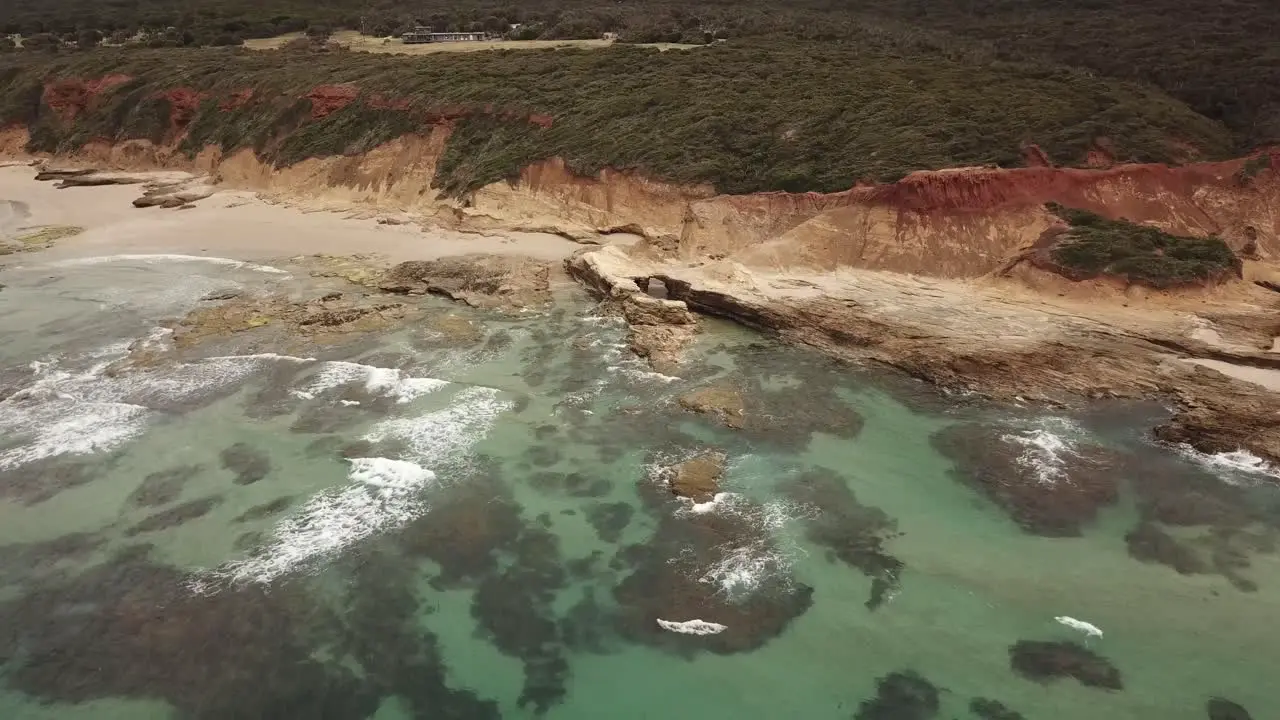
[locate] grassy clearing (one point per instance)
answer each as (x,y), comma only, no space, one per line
(742,116)
(1096,246)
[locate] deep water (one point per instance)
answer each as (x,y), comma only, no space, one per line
(474,523)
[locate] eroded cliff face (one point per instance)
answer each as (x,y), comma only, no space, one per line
(952,223)
(957,223)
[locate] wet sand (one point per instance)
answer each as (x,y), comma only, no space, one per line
(239,225)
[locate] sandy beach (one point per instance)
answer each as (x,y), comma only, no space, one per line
(233,224)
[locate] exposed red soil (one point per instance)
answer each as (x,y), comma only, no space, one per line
(328,99)
(184,103)
(236,100)
(71,96)
(985,189)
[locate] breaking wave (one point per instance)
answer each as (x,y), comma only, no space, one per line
(1235,467)
(692,627)
(74,406)
(764,557)
(165,257)
(1046,448)
(382,494)
(385,382)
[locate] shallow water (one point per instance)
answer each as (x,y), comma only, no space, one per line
(469,526)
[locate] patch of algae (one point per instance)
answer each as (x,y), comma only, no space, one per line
(38,238)
(362,270)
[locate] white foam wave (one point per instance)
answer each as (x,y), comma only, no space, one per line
(168,257)
(1087,628)
(383,494)
(442,435)
(86,410)
(264,356)
(748,564)
(1233,466)
(1047,447)
(387,382)
(692,627)
(69,427)
(701,508)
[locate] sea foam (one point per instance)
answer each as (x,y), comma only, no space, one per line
(73,406)
(168,257)
(1233,467)
(386,382)
(382,494)
(692,627)
(1046,448)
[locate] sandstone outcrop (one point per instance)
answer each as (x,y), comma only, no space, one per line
(660,329)
(483,281)
(697,478)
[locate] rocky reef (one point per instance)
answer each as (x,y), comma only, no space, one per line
(484,281)
(1047,486)
(1046,661)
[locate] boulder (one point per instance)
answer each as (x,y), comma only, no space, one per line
(640,309)
(697,478)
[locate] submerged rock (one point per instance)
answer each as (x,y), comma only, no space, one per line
(265,510)
(989,709)
(722,567)
(163,487)
(486,281)
(903,695)
(609,520)
(852,533)
(720,401)
(175,516)
(1224,709)
(248,463)
(1051,488)
(1045,661)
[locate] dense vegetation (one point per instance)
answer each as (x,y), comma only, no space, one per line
(1096,246)
(1222,57)
(744,116)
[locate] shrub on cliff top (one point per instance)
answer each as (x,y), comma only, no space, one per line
(743,117)
(1096,246)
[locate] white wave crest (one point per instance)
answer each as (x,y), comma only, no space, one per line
(444,434)
(1046,448)
(69,427)
(1087,628)
(748,564)
(168,257)
(67,410)
(692,627)
(1233,467)
(382,494)
(387,382)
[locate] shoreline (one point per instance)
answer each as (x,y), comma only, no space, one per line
(995,337)
(240,225)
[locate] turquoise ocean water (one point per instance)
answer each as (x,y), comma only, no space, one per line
(477,525)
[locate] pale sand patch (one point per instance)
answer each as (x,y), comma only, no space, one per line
(1267,378)
(241,226)
(368,43)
